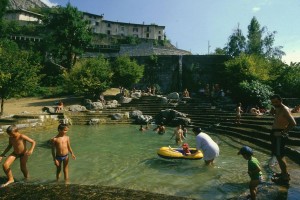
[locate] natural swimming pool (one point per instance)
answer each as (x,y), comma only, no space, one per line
(122,156)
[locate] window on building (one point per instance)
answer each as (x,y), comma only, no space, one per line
(97,23)
(135,29)
(147,35)
(158,32)
(108,32)
(159,37)
(148,28)
(108,25)
(122,28)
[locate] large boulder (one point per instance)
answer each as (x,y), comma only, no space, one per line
(112,104)
(164,100)
(173,95)
(171,113)
(96,121)
(136,95)
(135,114)
(117,116)
(97,105)
(77,108)
(125,100)
(88,104)
(168,116)
(49,109)
(143,119)
(180,121)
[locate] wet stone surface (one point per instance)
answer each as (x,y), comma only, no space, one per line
(66,192)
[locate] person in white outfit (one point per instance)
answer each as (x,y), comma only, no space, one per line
(205,143)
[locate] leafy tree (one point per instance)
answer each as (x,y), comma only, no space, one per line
(236,43)
(3,4)
(18,71)
(68,35)
(247,67)
(126,72)
(254,93)
(255,44)
(89,77)
(220,51)
(288,82)
(8,28)
(269,50)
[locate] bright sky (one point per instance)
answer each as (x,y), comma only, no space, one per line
(193,24)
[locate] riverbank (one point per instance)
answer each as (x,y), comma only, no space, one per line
(65,192)
(34,105)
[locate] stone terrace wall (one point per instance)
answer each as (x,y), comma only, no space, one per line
(166,72)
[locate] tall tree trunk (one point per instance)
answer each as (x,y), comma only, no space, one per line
(2,104)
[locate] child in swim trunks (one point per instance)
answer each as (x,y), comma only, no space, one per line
(60,151)
(18,142)
(178,133)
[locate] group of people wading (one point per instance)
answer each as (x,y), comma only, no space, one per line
(283,123)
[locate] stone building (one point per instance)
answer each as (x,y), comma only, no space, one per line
(23,17)
(97,24)
(145,31)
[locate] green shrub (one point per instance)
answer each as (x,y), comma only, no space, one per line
(254,93)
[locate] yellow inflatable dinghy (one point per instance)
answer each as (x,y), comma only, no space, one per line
(177,153)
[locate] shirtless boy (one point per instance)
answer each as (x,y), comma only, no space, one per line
(18,142)
(60,151)
(238,113)
(160,129)
(283,123)
(178,133)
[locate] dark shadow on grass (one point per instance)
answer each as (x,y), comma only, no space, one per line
(66,100)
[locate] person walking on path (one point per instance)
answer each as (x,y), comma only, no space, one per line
(283,123)
(205,143)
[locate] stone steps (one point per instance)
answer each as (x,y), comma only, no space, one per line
(255,129)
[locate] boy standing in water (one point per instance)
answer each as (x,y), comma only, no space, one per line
(178,133)
(254,170)
(18,142)
(60,151)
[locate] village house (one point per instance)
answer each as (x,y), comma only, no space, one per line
(145,31)
(97,24)
(23,17)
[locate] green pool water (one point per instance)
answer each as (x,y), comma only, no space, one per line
(122,156)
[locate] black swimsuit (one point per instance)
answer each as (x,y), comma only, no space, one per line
(18,155)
